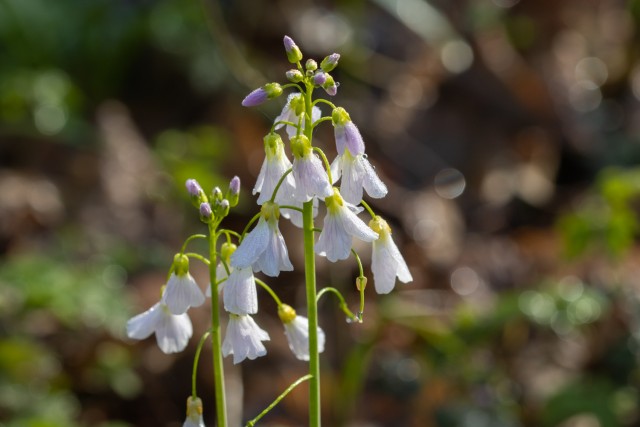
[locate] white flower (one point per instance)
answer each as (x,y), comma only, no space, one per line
(340,225)
(182,292)
(357,173)
(308,173)
(264,248)
(244,339)
(194,413)
(387,262)
(296,216)
(274,166)
(240,294)
(172,331)
(293,111)
(296,329)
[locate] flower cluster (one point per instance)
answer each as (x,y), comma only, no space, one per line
(286,186)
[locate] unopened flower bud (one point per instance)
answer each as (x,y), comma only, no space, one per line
(294,76)
(206,214)
(330,86)
(330,62)
(361,283)
(233,194)
(320,78)
(224,207)
(311,65)
(294,55)
(260,95)
(216,195)
(196,192)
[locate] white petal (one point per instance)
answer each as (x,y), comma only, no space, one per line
(173,332)
(276,257)
(341,138)
(240,294)
(402,271)
(352,178)
(386,264)
(336,169)
(275,168)
(252,246)
(244,339)
(334,242)
(260,180)
(221,274)
(356,227)
(144,324)
(311,179)
(372,183)
(297,333)
(181,293)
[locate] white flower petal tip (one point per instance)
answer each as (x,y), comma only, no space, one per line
(311,179)
(357,175)
(244,339)
(172,331)
(182,292)
(387,263)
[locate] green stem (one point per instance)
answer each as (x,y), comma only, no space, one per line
(293,208)
(310,282)
(327,165)
(324,119)
(271,292)
(368,208)
(195,363)
(254,219)
(343,303)
(190,238)
(278,399)
(216,334)
(326,101)
(280,181)
(360,288)
(198,256)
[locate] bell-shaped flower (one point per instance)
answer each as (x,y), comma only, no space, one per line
(194,413)
(172,331)
(264,248)
(240,293)
(346,133)
(357,174)
(294,112)
(182,291)
(274,166)
(296,329)
(387,262)
(226,250)
(341,224)
(244,339)
(308,173)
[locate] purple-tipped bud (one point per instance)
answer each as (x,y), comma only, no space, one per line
(205,212)
(234,185)
(193,188)
(294,55)
(260,95)
(294,76)
(320,78)
(330,62)
(233,195)
(330,86)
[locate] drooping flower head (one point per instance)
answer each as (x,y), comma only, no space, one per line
(357,174)
(387,262)
(244,339)
(172,331)
(341,224)
(262,94)
(194,413)
(294,112)
(308,173)
(182,291)
(296,329)
(264,248)
(274,166)
(346,133)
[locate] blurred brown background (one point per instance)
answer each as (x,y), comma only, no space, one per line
(505,130)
